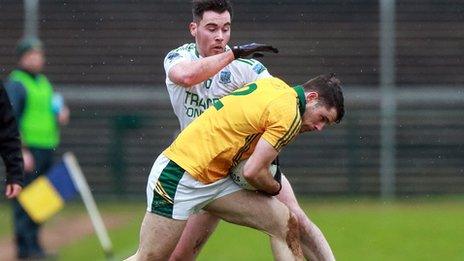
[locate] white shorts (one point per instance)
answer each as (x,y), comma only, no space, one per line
(172,192)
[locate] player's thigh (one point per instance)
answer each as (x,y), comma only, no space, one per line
(287,196)
(199,227)
(252,209)
(200,224)
(158,236)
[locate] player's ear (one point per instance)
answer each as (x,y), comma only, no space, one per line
(310,96)
(193,29)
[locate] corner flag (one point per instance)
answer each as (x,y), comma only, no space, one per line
(47,195)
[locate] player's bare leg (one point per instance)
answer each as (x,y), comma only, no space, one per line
(158,237)
(314,245)
(264,213)
(198,229)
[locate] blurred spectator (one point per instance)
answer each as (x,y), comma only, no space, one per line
(10,147)
(38,111)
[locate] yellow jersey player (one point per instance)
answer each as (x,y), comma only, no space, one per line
(254,123)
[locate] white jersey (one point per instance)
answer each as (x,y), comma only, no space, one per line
(189,103)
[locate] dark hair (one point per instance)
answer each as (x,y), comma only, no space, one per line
(218,6)
(330,92)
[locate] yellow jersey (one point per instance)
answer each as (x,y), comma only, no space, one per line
(228,131)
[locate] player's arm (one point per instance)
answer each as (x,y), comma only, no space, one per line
(256,170)
(188,73)
(282,124)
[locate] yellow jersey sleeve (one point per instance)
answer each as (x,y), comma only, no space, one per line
(282,121)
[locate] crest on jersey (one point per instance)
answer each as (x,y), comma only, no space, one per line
(259,68)
(225,77)
(172,56)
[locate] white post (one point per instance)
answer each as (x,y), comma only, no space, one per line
(89,202)
(31,14)
(388,99)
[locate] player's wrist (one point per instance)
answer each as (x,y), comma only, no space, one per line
(230,56)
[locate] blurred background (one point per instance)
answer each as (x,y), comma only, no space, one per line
(401,62)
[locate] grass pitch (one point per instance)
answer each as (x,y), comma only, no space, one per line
(357,229)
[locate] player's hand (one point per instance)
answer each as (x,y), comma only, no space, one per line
(12,190)
(275,193)
(241,51)
(278,178)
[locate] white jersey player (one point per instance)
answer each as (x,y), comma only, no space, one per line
(188,103)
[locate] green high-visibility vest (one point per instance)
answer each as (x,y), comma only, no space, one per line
(38,125)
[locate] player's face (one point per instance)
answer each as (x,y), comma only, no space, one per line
(317,116)
(33,61)
(212,32)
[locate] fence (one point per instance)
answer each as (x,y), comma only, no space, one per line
(110,42)
(117,133)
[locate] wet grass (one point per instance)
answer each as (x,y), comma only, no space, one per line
(357,229)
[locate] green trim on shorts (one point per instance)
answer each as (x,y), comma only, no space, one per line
(165,189)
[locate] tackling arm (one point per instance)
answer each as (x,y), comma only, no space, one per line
(188,73)
(256,170)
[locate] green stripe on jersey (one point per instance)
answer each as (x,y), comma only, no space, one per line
(249,62)
(165,189)
(293,134)
(248,140)
(293,130)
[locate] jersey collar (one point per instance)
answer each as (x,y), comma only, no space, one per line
(196,52)
(301,98)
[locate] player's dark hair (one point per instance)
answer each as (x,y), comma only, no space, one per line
(218,6)
(330,92)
